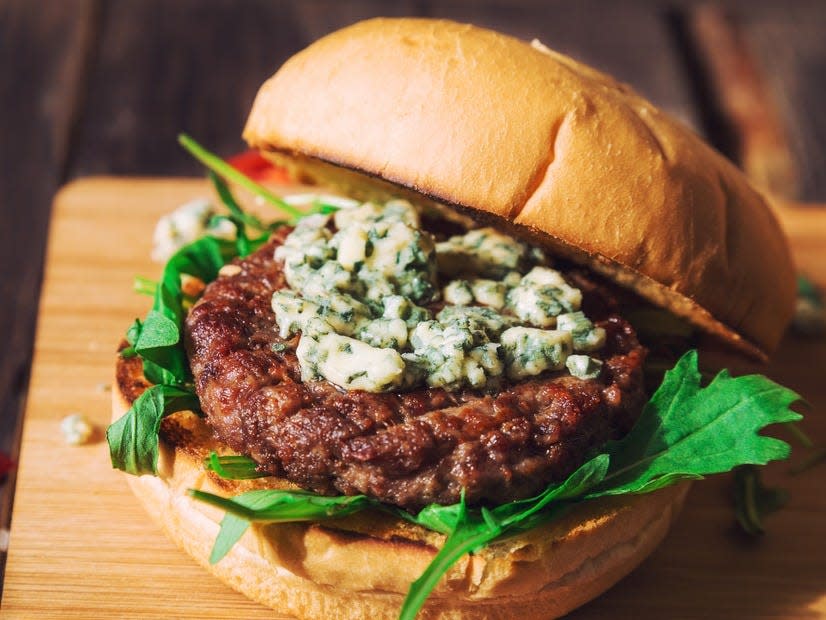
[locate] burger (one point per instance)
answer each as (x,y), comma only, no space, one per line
(429,397)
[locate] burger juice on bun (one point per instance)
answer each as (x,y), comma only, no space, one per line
(436,395)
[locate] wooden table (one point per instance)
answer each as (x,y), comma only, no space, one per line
(96,87)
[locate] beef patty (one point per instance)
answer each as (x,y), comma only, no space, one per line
(409,448)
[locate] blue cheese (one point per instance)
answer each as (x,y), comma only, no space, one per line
(449,356)
(480,290)
(398,307)
(76,429)
(484,251)
(349,363)
(458,293)
(541,296)
(530,351)
(292,312)
(583,366)
(489,292)
(485,323)
(586,337)
(366,274)
(186,224)
(341,311)
(384,333)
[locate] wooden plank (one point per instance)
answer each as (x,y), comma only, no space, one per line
(81,547)
(168,67)
(42,60)
(191,66)
(789,45)
(744,100)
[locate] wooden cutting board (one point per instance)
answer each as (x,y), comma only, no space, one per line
(81,547)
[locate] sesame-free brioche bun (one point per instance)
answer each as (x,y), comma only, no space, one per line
(532,140)
(362,566)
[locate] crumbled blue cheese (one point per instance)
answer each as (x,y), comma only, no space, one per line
(341,311)
(398,307)
(76,429)
(583,366)
(365,275)
(483,251)
(542,295)
(388,333)
(451,356)
(186,224)
(489,292)
(586,336)
(458,293)
(530,351)
(349,363)
(461,292)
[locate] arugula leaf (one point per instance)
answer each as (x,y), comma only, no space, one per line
(469,530)
(278,505)
(133,439)
(753,501)
(687,431)
(158,339)
(219,166)
(274,506)
(241,220)
(684,432)
(234,467)
(231,530)
(144,286)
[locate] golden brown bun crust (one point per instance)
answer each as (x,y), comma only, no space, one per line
(362,566)
(574,159)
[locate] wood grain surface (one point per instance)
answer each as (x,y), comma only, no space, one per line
(81,547)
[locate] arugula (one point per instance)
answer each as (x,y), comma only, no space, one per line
(753,500)
(225,170)
(242,220)
(274,506)
(233,467)
(133,439)
(685,432)
(144,286)
(158,339)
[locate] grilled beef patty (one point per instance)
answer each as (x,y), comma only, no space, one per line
(410,448)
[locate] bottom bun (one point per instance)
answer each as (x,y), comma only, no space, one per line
(362,566)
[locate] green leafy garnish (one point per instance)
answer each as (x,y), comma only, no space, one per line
(234,467)
(685,432)
(753,500)
(222,168)
(158,339)
(133,439)
(274,506)
(144,286)
(241,220)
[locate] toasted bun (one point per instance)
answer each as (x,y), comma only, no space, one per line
(531,139)
(362,566)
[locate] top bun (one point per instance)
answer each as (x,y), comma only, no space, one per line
(564,155)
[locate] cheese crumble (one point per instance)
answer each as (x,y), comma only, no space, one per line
(364,279)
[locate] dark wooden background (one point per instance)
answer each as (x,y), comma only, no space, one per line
(95,87)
